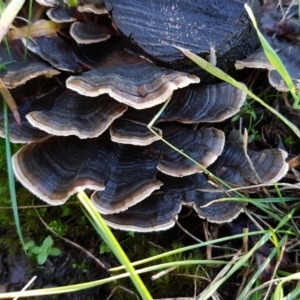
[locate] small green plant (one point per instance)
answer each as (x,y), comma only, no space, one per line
(59,227)
(42,252)
(104,248)
(3,66)
(247,109)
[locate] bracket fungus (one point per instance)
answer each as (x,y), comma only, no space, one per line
(234,167)
(131,132)
(130,79)
(209,103)
(54,50)
(203,145)
(94,134)
(288,54)
(51,3)
(17,71)
(74,114)
(66,160)
(216,212)
(60,14)
(84,33)
(158,212)
(280,26)
(93,6)
(25,132)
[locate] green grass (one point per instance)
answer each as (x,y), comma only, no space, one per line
(11,179)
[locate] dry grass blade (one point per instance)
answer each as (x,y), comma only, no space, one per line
(221,274)
(8,15)
(10,101)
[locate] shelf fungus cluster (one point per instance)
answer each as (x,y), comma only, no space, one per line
(86,128)
(281,28)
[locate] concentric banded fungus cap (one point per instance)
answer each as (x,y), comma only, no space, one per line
(132,178)
(217,212)
(56,52)
(84,33)
(132,80)
(157,212)
(203,145)
(233,167)
(17,71)
(61,14)
(24,132)
(50,3)
(195,25)
(288,53)
(57,167)
(92,6)
(74,114)
(210,103)
(126,131)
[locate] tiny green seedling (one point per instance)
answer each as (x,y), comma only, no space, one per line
(3,66)
(42,252)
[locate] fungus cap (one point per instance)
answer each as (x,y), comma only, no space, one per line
(158,212)
(84,33)
(74,114)
(126,131)
(130,79)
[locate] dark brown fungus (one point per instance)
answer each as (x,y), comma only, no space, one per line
(92,6)
(74,114)
(60,14)
(157,212)
(217,212)
(203,145)
(233,166)
(256,60)
(84,33)
(126,131)
(287,51)
(17,71)
(50,3)
(56,52)
(132,178)
(132,80)
(57,167)
(25,132)
(195,25)
(210,103)
(184,188)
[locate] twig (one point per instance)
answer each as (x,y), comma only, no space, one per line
(199,241)
(163,273)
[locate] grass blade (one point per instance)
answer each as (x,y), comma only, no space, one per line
(236,266)
(274,59)
(11,179)
(114,245)
(222,75)
(8,15)
(258,272)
